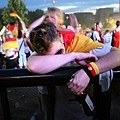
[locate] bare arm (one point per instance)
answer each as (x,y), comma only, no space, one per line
(81,79)
(23,26)
(36,22)
(48,63)
(74,22)
(109,61)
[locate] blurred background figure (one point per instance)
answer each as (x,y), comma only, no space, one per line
(21,50)
(116,35)
(97,33)
(107,37)
(10,47)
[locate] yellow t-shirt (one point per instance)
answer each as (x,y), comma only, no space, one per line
(82,43)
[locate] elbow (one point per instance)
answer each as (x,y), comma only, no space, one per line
(33,68)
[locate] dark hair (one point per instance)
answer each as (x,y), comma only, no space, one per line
(93,28)
(97,23)
(42,36)
(117,23)
(106,31)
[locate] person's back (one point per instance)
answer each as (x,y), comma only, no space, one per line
(107,38)
(94,34)
(21,50)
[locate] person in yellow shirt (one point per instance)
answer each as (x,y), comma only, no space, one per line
(10,47)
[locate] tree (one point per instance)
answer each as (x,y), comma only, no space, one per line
(17,6)
(33,15)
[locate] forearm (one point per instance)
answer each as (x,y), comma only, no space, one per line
(109,61)
(48,63)
(36,23)
(23,26)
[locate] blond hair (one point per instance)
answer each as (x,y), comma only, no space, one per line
(58,12)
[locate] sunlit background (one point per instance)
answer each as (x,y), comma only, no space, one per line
(87,11)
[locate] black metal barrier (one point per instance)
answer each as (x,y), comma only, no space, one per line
(24,78)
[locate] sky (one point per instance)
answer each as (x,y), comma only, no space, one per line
(69,5)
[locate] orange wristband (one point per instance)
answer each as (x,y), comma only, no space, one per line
(93,68)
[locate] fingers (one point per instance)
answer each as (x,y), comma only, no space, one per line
(82,56)
(75,88)
(78,82)
(93,56)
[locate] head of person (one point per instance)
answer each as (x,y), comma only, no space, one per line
(55,15)
(99,25)
(93,28)
(106,32)
(117,23)
(46,40)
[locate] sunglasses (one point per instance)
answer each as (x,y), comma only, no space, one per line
(60,51)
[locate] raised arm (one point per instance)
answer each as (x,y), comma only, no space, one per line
(36,23)
(23,26)
(74,23)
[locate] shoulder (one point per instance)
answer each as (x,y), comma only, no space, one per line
(101,51)
(95,32)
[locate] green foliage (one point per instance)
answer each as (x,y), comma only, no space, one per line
(1,26)
(106,24)
(33,15)
(17,6)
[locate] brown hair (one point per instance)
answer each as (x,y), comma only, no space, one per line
(42,36)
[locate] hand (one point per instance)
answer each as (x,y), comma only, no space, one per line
(79,82)
(83,58)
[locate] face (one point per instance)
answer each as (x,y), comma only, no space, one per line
(52,17)
(100,25)
(57,47)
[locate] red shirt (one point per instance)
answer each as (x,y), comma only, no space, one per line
(116,38)
(68,36)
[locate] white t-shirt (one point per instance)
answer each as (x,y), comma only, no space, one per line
(107,39)
(21,43)
(96,36)
(101,51)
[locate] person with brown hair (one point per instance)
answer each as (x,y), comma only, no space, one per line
(55,16)
(49,48)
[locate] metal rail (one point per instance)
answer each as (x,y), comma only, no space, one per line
(24,78)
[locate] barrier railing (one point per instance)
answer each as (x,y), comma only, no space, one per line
(24,78)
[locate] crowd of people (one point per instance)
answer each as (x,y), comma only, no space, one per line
(14,50)
(109,37)
(54,46)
